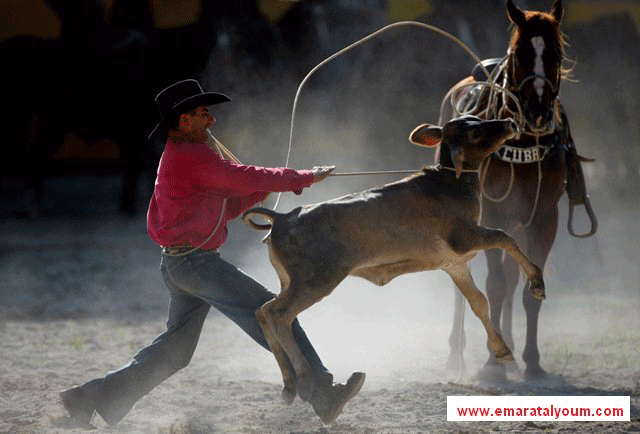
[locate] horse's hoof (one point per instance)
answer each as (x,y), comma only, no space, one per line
(535,373)
(454,363)
(513,371)
(492,373)
(288,395)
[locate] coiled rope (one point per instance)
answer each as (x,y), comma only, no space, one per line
(489,111)
(218,147)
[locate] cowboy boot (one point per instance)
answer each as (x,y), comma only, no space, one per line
(328,399)
(80,401)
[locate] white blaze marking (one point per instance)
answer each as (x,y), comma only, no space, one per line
(538,68)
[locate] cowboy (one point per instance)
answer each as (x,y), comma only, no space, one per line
(196,193)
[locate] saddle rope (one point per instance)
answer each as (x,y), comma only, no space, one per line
(358,43)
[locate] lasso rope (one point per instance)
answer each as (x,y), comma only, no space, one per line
(487,112)
(355,44)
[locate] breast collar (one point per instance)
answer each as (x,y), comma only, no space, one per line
(547,145)
(533,154)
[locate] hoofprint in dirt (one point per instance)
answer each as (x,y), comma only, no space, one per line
(233,386)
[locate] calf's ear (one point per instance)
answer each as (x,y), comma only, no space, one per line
(426,135)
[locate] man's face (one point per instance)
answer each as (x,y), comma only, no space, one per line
(195,123)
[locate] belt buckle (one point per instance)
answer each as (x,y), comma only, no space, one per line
(176,249)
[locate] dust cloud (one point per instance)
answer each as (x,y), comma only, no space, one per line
(103,272)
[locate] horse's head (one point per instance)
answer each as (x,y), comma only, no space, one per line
(535,64)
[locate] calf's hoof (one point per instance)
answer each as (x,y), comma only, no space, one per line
(288,394)
(537,289)
(504,355)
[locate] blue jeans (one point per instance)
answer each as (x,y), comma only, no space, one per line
(196,282)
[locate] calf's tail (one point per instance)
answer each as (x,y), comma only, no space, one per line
(267,214)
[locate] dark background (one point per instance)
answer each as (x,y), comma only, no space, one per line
(79,78)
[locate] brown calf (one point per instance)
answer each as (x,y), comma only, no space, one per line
(427,221)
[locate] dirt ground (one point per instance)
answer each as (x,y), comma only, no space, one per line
(81,296)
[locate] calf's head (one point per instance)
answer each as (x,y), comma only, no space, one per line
(469,140)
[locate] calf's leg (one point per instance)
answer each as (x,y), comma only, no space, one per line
(276,317)
(288,377)
(481,238)
(480,307)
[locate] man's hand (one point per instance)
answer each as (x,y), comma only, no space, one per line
(321,172)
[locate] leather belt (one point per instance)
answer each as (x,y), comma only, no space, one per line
(178,249)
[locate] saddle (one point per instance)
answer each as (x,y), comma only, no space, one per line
(478,73)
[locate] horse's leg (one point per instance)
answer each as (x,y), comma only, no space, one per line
(496,289)
(457,338)
(540,234)
(512,275)
(501,283)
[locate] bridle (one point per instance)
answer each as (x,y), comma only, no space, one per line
(516,88)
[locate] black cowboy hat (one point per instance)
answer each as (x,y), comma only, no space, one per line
(182,97)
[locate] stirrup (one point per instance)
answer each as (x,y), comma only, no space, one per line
(592,218)
(577,192)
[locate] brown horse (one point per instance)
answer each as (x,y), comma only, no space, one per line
(523,181)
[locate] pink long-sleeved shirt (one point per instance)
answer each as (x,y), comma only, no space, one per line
(190,188)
